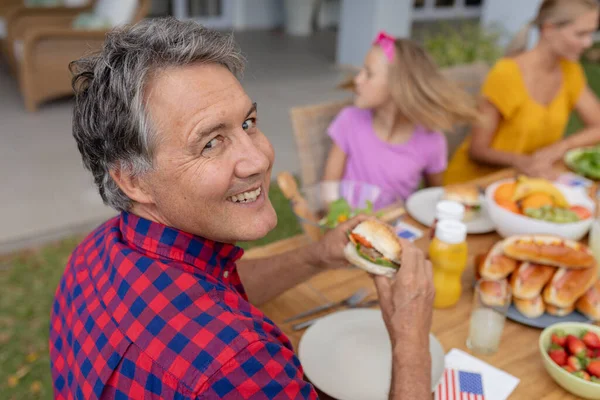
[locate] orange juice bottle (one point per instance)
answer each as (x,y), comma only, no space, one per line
(448,255)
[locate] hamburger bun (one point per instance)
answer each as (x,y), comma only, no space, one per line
(378,240)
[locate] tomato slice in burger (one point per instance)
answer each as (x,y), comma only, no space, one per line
(359,239)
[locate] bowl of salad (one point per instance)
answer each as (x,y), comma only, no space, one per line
(334,202)
(585,161)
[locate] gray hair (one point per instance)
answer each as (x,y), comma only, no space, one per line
(111,125)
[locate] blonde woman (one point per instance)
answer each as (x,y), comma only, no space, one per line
(529,95)
(392,136)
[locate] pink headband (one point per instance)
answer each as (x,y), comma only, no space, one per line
(387,43)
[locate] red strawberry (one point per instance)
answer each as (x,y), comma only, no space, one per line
(591,340)
(558,354)
(594,368)
(576,346)
(569,369)
(559,338)
(590,353)
(575,363)
(582,374)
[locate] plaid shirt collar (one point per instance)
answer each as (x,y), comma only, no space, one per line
(152,238)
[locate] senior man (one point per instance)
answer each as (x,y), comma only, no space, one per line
(151,304)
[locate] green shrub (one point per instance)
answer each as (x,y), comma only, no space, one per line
(465,44)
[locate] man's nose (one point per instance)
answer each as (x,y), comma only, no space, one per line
(253,159)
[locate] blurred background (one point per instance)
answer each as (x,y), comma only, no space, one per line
(299,51)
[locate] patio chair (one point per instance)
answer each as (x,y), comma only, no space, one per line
(6,6)
(310,131)
(42,42)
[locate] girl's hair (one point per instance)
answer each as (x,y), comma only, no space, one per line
(556,12)
(423,94)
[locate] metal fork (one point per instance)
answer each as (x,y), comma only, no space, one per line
(306,324)
(355,299)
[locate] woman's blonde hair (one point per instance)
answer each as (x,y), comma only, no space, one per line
(556,12)
(423,95)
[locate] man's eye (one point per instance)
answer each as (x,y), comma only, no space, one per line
(249,124)
(213,143)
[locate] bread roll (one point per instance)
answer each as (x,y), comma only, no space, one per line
(568,285)
(532,308)
(549,250)
(497,265)
(589,303)
(529,279)
(559,311)
(494,293)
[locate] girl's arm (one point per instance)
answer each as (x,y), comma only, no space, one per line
(588,109)
(336,163)
(434,179)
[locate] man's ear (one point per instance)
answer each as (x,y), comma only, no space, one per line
(132,185)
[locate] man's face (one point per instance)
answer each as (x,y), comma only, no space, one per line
(212,165)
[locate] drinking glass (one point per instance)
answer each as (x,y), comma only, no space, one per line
(488,316)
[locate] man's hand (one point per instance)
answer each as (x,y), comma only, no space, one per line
(407,306)
(329,251)
(407,300)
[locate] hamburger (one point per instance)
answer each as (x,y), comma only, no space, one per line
(375,248)
(468,196)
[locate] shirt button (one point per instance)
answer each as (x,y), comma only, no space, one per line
(226,274)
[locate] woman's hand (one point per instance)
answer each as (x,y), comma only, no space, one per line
(537,167)
(550,154)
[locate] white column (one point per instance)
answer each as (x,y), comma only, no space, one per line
(361,20)
(510,16)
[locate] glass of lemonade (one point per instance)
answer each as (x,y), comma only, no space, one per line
(594,237)
(488,316)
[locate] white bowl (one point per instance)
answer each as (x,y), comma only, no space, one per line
(508,223)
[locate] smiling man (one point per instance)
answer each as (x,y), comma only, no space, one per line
(151,304)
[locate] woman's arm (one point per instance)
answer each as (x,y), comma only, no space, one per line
(482,136)
(336,163)
(588,109)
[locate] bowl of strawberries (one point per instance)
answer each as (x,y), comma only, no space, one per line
(571,355)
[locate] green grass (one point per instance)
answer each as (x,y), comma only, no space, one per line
(28,280)
(592,72)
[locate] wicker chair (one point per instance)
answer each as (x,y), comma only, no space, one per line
(42,42)
(310,123)
(310,130)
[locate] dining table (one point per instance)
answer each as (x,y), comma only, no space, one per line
(518,353)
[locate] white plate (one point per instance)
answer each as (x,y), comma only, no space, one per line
(348,355)
(421,206)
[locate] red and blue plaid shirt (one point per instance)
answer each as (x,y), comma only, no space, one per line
(144,311)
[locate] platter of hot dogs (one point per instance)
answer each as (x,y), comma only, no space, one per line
(552,279)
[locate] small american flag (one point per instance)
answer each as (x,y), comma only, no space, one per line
(460,385)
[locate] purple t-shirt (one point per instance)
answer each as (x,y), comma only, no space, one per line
(397,168)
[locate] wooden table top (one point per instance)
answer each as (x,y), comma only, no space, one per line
(518,354)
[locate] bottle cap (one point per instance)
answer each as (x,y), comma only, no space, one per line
(447,209)
(450,231)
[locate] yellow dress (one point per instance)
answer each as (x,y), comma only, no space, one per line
(526,125)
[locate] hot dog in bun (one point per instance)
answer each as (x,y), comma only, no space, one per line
(374,247)
(496,265)
(568,285)
(532,308)
(589,304)
(549,250)
(494,293)
(529,279)
(559,311)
